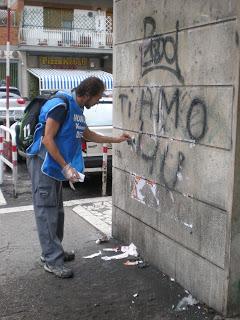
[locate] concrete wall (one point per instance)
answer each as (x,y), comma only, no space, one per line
(176,188)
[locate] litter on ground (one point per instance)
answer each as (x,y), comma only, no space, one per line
(116,257)
(130,250)
(132,263)
(117,249)
(102,239)
(186,301)
(93,255)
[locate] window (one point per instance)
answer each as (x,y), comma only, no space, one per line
(56,18)
(13,73)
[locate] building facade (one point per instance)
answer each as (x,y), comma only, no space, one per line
(56,39)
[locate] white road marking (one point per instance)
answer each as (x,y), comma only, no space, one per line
(93,220)
(2,199)
(16,209)
(69,203)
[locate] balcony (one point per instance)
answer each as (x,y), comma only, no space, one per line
(39,36)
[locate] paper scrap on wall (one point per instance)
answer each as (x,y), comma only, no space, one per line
(144,191)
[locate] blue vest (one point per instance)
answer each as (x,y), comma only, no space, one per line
(68,138)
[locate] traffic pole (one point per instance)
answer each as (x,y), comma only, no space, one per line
(8,66)
(1,155)
(14,169)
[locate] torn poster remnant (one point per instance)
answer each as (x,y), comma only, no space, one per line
(144,191)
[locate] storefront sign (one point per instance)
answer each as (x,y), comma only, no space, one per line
(63,62)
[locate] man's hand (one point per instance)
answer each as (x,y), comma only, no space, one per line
(123,137)
(71,174)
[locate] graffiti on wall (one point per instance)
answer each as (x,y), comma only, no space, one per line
(164,110)
(171,111)
(159,52)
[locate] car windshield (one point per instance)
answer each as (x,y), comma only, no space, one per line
(100,114)
(15,91)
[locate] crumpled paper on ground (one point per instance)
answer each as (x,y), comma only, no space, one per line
(186,301)
(130,250)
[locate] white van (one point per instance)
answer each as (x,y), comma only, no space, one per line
(98,119)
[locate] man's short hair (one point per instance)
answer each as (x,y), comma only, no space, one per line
(91,86)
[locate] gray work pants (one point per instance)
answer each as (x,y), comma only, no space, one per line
(49,213)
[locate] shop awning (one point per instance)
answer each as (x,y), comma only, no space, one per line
(58,79)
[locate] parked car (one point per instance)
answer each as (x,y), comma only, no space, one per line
(17,104)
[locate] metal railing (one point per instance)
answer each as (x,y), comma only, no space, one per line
(102,169)
(3,18)
(39,36)
(8,154)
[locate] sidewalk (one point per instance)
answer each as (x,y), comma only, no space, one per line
(100,289)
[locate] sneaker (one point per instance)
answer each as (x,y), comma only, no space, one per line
(59,271)
(68,256)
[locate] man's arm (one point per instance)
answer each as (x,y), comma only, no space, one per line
(90,135)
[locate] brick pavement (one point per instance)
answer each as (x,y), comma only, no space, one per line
(98,212)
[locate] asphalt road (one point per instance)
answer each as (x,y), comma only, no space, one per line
(91,187)
(100,289)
